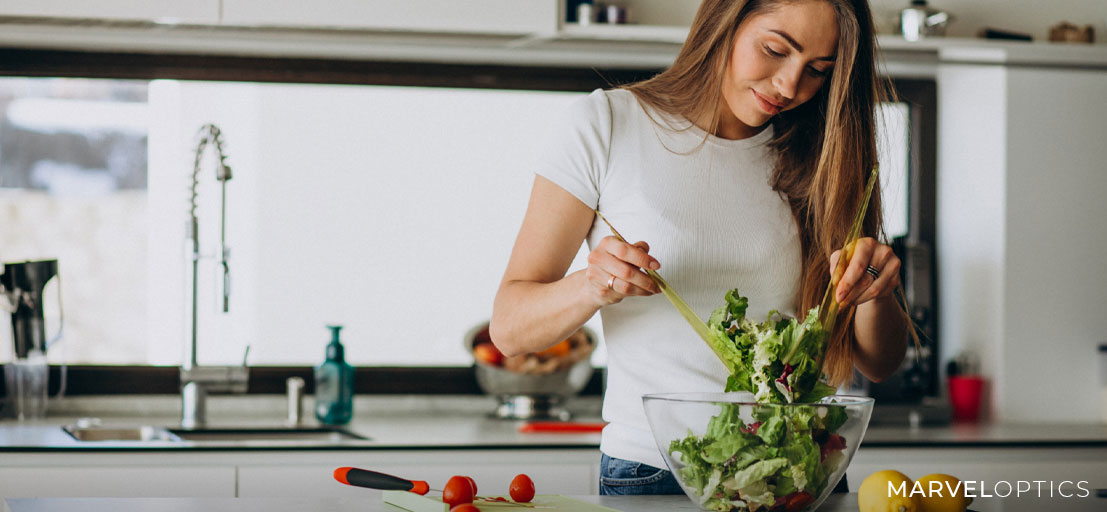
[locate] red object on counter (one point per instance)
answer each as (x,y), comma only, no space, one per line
(964,396)
(564,427)
(522,488)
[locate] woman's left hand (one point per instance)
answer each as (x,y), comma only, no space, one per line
(858,285)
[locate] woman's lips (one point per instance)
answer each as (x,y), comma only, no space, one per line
(768,106)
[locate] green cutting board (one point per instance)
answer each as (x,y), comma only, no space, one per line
(541,502)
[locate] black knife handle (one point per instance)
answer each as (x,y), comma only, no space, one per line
(376,480)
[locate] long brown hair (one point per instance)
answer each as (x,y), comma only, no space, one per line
(826,147)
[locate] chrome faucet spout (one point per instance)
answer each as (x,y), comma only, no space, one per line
(213,136)
(197,381)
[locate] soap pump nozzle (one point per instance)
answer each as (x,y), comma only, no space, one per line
(334,348)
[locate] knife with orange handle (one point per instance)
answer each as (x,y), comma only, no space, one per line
(374,480)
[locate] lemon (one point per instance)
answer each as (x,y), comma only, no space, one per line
(951,498)
(874,495)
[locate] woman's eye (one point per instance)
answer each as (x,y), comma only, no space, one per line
(818,72)
(769,50)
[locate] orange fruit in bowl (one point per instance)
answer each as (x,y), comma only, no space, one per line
(561,349)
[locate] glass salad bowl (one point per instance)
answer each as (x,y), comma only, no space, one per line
(729,452)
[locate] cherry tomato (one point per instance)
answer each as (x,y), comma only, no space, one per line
(473,483)
(798,501)
(458,490)
(522,488)
(465,507)
(487,353)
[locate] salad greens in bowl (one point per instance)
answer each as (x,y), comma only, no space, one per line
(730,452)
(777,439)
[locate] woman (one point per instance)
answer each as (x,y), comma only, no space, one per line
(743,164)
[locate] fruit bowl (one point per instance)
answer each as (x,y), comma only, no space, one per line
(729,452)
(533,386)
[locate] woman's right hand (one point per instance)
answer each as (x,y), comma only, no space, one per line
(615,271)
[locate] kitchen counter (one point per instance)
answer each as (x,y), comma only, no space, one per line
(444,422)
(372,503)
(434,437)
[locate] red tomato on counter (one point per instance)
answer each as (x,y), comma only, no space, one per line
(458,490)
(473,483)
(465,507)
(522,488)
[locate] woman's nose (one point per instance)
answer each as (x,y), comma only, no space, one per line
(787,81)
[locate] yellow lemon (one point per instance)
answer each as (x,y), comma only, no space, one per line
(947,495)
(886,491)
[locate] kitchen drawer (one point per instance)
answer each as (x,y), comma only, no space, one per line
(193,11)
(110,481)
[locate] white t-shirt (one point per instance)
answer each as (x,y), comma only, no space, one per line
(713,222)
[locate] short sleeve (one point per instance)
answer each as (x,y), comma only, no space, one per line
(575,158)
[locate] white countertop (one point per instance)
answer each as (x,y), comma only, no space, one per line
(444,422)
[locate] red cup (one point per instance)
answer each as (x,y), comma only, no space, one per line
(964,396)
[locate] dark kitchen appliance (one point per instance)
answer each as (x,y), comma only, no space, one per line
(22,285)
(913,395)
(26,376)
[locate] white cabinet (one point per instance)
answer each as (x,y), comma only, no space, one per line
(499,17)
(51,475)
(192,11)
(301,473)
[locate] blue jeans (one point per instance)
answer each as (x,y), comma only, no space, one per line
(622,477)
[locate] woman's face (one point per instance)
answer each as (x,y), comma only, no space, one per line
(780,60)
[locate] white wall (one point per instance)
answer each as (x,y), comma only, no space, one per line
(971,201)
(1021,234)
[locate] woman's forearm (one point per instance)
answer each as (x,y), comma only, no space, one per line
(530,316)
(881,331)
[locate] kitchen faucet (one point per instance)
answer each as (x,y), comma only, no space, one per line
(197,381)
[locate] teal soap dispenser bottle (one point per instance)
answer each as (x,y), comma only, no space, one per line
(334,384)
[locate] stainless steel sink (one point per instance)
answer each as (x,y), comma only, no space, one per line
(148,433)
(138,433)
(316,435)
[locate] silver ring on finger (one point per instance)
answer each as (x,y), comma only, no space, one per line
(611,283)
(872,271)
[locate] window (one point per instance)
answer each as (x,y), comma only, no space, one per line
(389,210)
(73,179)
